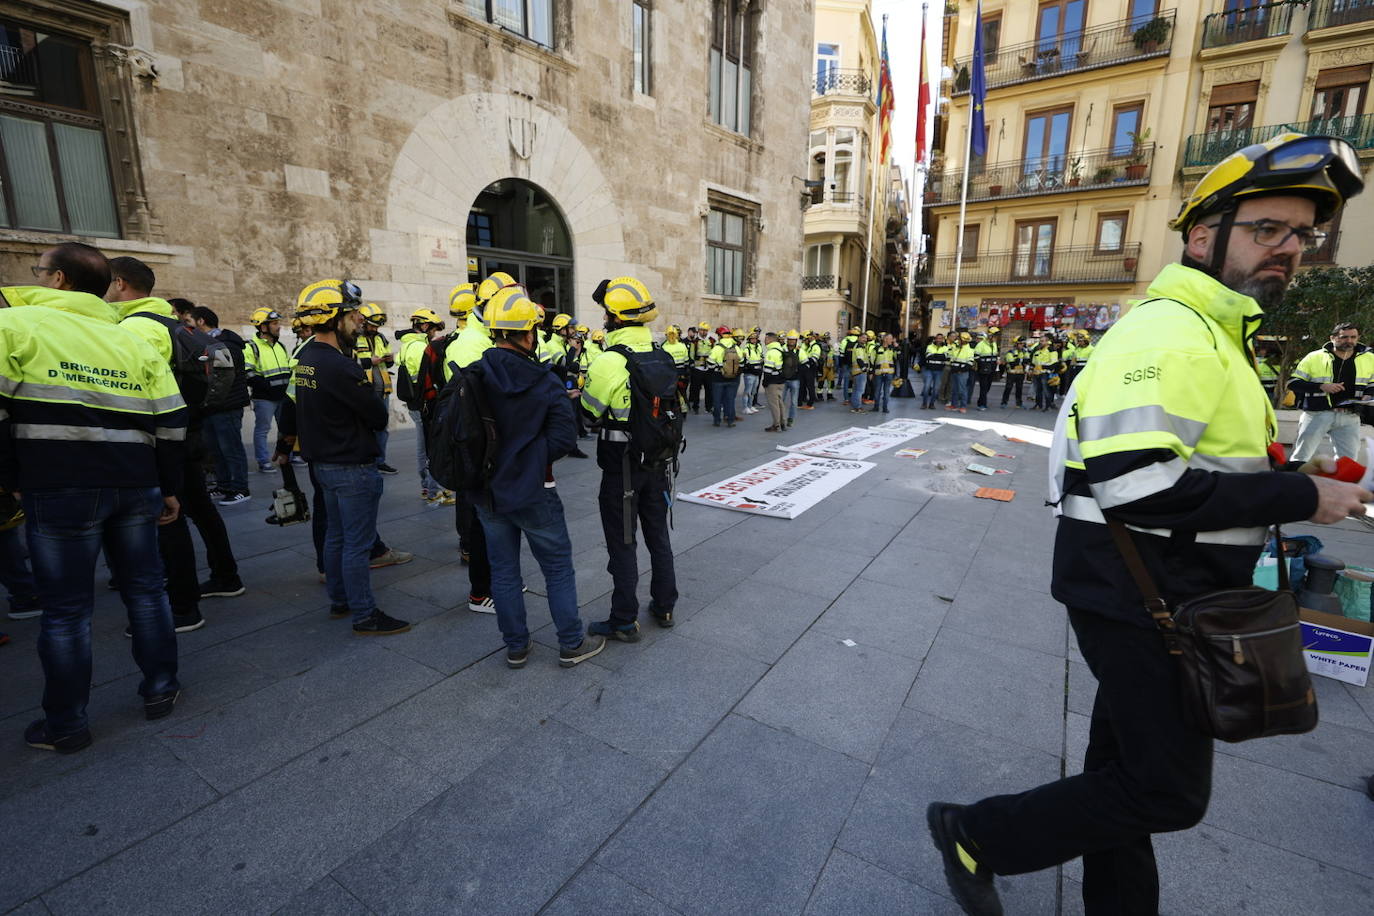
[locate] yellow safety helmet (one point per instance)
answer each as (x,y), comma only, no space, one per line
(598,335)
(793,335)
(582,329)
(462,299)
(511,310)
(870,335)
(321,301)
(965,337)
(737,332)
(263,315)
(561,321)
(671,331)
(492,285)
(296,325)
(1324,169)
(425,315)
(704,327)
(373,314)
(627,299)
(993,329)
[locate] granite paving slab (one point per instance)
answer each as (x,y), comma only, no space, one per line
(849,886)
(757,619)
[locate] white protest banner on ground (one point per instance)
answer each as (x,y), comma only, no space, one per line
(784,488)
(1032,434)
(907,425)
(852,444)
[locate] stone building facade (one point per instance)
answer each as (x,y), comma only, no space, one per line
(245,148)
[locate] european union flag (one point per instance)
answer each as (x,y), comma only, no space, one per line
(979,90)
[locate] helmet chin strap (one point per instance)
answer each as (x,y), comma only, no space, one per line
(1223,238)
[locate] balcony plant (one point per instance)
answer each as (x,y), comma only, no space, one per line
(1075,172)
(1152,34)
(1135,169)
(1103,175)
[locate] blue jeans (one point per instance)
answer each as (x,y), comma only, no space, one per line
(224,437)
(930,387)
(66,529)
(264,412)
(751,390)
(1044,399)
(421,459)
(351,495)
(723,394)
(547,533)
(856,396)
(14,571)
(382,435)
(958,389)
(842,378)
(790,390)
(882,392)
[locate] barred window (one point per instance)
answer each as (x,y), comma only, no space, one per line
(54,163)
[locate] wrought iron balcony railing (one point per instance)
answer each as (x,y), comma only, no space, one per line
(1232,27)
(1024,267)
(1326,14)
(819,281)
(1090,169)
(847,82)
(839,198)
(1209,149)
(1087,49)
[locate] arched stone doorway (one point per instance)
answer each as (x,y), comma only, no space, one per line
(516,227)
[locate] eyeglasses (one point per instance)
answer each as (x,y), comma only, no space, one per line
(39,270)
(1271,233)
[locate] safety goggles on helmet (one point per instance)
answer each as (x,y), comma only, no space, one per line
(428,316)
(1292,161)
(373,314)
(263,315)
(325,299)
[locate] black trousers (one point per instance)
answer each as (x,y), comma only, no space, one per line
(472,537)
(807,395)
(1146,771)
(700,383)
(984,383)
(649,507)
(174,540)
(1017,382)
(319,524)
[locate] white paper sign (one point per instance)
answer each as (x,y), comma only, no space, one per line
(914,427)
(852,444)
(784,488)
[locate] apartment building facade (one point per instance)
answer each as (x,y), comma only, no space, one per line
(244,150)
(1099,128)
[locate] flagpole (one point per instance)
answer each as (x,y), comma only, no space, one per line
(872,200)
(973,102)
(916,204)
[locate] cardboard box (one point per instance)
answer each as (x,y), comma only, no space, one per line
(1337,647)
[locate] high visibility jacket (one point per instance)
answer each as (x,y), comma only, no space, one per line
(811,353)
(1044,359)
(1319,368)
(753,357)
(1081,354)
(412,352)
(701,350)
(772,364)
(372,353)
(716,360)
(1268,372)
(937,356)
(83,401)
(1167,429)
(678,351)
(885,361)
(985,357)
(1015,360)
(606,396)
(557,347)
(961,358)
(268,366)
(135,315)
(860,358)
(471,343)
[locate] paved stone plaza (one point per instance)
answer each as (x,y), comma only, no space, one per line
(747,760)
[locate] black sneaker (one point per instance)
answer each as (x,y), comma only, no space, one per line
(233,499)
(222,588)
(625,633)
(970,882)
(590,645)
(37,735)
(185,623)
(662,618)
(387,469)
(515,658)
(339,611)
(160,706)
(379,624)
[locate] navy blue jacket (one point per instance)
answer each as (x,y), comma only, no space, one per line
(534,422)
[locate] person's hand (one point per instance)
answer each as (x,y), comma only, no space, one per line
(280,458)
(574,393)
(170,510)
(1337,500)
(1333,387)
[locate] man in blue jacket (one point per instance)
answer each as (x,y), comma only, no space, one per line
(534,428)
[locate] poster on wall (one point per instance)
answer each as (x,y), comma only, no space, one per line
(783,488)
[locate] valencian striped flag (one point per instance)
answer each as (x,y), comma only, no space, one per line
(885,101)
(922,98)
(978,132)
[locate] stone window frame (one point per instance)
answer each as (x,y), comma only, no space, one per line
(751,212)
(486,12)
(115,62)
(642,33)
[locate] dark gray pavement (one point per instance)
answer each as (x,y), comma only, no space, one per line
(747,761)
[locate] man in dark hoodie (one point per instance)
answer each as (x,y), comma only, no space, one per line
(535,427)
(224,428)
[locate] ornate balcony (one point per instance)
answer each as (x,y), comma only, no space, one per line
(819,281)
(1204,150)
(1326,14)
(1232,27)
(844,82)
(1066,265)
(1088,170)
(1088,49)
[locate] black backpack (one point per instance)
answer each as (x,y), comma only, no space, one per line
(656,409)
(791,363)
(203,366)
(463,442)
